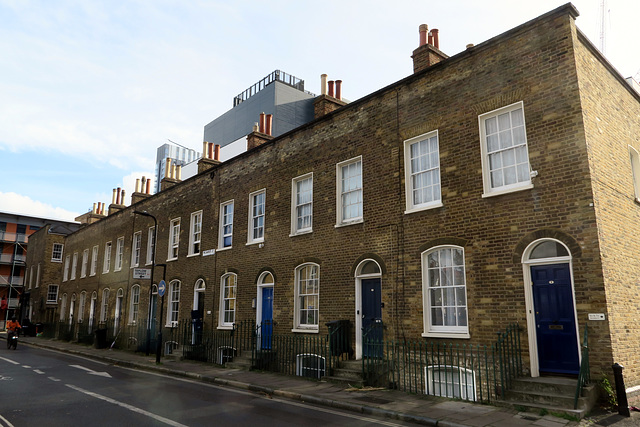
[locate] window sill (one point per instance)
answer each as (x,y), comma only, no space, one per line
(345,224)
(225,328)
(459,335)
(300,233)
(57,260)
(255,242)
(224,249)
(171,259)
(500,192)
(305,331)
(424,208)
(192,255)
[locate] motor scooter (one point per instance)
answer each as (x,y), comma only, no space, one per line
(12,340)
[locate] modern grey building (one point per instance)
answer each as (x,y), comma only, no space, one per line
(279,94)
(179,155)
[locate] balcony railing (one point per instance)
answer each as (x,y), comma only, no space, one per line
(11,280)
(6,236)
(10,259)
(277,75)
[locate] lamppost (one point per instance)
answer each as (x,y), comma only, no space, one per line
(153,265)
(159,342)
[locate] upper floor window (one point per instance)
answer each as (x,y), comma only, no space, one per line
(107,258)
(135,249)
(444,292)
(302,204)
(196,233)
(307,297)
(256,216)
(228,300)
(505,156)
(422,172)
(174,303)
(65,274)
(74,265)
(85,263)
(349,191)
(174,239)
(226,225)
(151,243)
(56,254)
(119,254)
(52,294)
(94,260)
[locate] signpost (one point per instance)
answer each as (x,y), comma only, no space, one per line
(142,273)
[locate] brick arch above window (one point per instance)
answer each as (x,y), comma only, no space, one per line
(308,260)
(443,241)
(375,257)
(266,270)
(546,233)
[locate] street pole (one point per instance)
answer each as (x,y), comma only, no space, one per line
(159,342)
(153,265)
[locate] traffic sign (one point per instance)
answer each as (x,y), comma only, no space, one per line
(142,273)
(162,286)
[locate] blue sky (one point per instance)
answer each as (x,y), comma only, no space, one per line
(90,89)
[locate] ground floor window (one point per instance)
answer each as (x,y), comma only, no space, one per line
(450,381)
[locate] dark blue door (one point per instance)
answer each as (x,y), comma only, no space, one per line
(371,318)
(555,319)
(266,328)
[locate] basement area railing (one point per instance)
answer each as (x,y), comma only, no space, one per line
(584,376)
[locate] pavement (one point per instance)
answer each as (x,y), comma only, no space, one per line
(391,404)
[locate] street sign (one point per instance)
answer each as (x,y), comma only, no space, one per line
(142,273)
(162,286)
(209,252)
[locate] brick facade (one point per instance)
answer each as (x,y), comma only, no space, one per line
(581,192)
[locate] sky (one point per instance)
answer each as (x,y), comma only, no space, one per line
(89,89)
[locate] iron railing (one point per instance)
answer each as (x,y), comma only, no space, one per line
(584,376)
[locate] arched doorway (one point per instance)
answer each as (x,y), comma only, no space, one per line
(550,304)
(264,309)
(197,313)
(368,320)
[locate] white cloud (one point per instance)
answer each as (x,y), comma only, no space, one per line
(19,204)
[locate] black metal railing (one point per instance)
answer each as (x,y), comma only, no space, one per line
(276,75)
(584,375)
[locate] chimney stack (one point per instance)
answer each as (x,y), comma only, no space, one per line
(428,52)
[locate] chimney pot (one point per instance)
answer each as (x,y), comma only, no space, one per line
(216,152)
(94,208)
(261,123)
(436,42)
(323,84)
(331,83)
(178,172)
(149,186)
(339,89)
(122,198)
(118,197)
(137,185)
(204,149)
(113,197)
(423,30)
(268,124)
(167,167)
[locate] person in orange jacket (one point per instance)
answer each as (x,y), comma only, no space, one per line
(12,327)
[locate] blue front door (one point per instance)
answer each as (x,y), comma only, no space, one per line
(266,323)
(555,319)
(371,318)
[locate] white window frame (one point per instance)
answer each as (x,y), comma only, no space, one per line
(134,304)
(226,225)
(635,172)
(195,234)
(136,243)
(489,189)
(81,306)
(74,265)
(444,331)
(251,235)
(119,254)
(173,306)
(63,306)
(31,276)
(65,273)
(85,263)
(174,239)
(151,241)
(298,307)
(94,261)
(340,193)
(228,300)
(431,171)
(52,294)
(58,252)
(464,389)
(106,265)
(104,307)
(38,276)
(296,206)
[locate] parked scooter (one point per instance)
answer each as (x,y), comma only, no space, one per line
(12,340)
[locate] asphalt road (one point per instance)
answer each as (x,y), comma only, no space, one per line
(47,388)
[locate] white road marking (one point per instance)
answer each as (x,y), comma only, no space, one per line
(54,379)
(127,406)
(6,421)
(92,372)
(26,366)
(9,360)
(38,371)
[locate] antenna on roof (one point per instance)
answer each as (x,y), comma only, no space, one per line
(179,145)
(603,26)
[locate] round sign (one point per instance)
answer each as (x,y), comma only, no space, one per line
(162,286)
